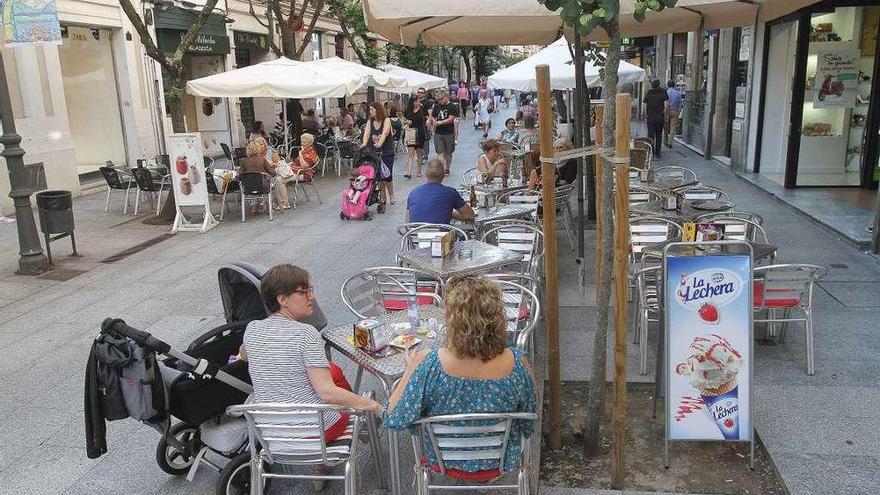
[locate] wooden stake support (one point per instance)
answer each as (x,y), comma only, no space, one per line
(600,227)
(621,287)
(551,279)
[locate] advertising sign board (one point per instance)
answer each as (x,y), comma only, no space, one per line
(708,307)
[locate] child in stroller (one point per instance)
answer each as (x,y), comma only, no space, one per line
(361,192)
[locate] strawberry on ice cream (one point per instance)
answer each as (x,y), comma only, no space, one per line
(713,363)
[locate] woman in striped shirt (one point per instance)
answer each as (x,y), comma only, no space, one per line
(286,358)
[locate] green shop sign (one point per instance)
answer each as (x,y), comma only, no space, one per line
(203,44)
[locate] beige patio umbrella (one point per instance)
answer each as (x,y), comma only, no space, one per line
(526,22)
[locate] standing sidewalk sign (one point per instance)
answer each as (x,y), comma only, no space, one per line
(188,180)
(709,336)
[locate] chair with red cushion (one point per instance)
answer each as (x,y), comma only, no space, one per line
(375,291)
(788,288)
(478,436)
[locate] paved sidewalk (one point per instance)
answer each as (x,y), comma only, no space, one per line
(820,430)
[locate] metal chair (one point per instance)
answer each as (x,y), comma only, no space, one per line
(256,186)
(477,436)
(737,228)
(376,291)
(675,172)
(743,215)
(650,230)
(471,177)
(306,175)
(705,193)
(639,195)
(116,180)
(788,287)
(293,435)
(347,150)
(520,237)
(148,182)
(417,235)
(515,160)
(520,197)
(522,309)
(648,281)
(639,157)
(231,186)
(563,210)
(646,144)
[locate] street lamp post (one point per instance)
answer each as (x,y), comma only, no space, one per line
(31,259)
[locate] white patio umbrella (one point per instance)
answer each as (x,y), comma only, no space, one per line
(279,78)
(526,22)
(521,75)
(414,80)
(372,77)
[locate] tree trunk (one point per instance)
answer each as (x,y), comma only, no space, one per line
(598,377)
(467,68)
(175,93)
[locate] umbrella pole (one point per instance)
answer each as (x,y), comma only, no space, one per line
(286,143)
(578,127)
(551,279)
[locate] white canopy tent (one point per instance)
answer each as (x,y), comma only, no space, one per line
(372,77)
(527,22)
(521,75)
(279,78)
(414,80)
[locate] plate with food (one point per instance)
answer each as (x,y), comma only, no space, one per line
(405,341)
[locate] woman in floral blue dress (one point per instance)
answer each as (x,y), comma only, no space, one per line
(475,373)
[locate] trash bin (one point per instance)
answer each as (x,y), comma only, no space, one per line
(55,209)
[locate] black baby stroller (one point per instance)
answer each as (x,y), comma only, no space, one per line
(362,191)
(202,382)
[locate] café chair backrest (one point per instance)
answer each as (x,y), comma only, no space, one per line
(373,292)
(675,172)
(420,236)
(650,230)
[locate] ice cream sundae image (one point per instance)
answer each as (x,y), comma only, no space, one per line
(712,370)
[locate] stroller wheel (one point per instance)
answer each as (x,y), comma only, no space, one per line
(172,460)
(341,216)
(368,217)
(235,478)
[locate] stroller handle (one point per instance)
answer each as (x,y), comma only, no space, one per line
(116,325)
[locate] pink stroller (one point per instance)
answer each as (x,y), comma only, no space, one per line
(361,191)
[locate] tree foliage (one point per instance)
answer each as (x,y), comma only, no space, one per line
(417,57)
(587,15)
(350,14)
(487,60)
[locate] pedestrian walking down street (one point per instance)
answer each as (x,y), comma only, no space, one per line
(443,118)
(428,106)
(416,116)
(464,98)
(378,133)
(483,112)
(672,116)
(656,107)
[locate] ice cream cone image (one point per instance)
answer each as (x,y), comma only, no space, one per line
(712,370)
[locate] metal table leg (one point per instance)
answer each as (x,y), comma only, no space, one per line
(394,450)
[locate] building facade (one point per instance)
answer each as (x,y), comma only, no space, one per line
(97,97)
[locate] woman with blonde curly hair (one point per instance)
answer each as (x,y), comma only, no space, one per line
(475,373)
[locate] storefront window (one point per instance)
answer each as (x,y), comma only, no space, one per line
(840,63)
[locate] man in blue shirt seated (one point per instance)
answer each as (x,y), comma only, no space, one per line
(433,202)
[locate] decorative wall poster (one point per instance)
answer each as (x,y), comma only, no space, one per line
(30,22)
(188,180)
(745,43)
(837,76)
(709,347)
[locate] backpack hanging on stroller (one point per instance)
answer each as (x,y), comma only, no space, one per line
(362,191)
(203,381)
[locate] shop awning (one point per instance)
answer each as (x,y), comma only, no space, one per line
(526,22)
(371,76)
(279,78)
(414,80)
(521,75)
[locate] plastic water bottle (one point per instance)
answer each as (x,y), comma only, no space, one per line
(412,311)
